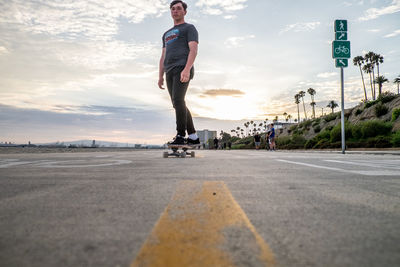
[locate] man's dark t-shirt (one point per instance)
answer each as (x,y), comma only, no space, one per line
(176,40)
(257,138)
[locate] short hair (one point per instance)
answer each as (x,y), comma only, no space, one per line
(177,2)
(272,124)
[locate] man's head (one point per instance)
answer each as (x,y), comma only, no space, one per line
(178,10)
(184,5)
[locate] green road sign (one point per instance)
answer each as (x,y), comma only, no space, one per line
(341,36)
(341,49)
(341,63)
(340,25)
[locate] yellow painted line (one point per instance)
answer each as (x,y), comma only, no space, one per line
(203,225)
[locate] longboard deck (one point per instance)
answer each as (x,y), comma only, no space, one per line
(180,150)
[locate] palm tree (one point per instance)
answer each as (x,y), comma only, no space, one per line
(285,115)
(367,68)
(289,117)
(246,124)
(397,81)
(332,104)
(377,60)
(302,94)
(358,61)
(297,101)
(313,104)
(381,80)
(370,58)
(312,92)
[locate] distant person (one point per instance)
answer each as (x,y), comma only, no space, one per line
(216,143)
(178,54)
(224,145)
(257,140)
(271,136)
(229,145)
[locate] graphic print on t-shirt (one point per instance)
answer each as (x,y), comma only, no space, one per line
(171,36)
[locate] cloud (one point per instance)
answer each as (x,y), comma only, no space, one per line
(301,27)
(74,19)
(233,42)
(374,13)
(3,50)
(218,7)
(223,92)
(393,34)
(326,74)
(109,123)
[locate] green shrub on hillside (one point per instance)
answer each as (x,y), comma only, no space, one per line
(380,110)
(336,132)
(310,143)
(371,103)
(298,140)
(395,114)
(293,127)
(239,146)
(282,141)
(331,117)
(356,131)
(317,129)
(380,141)
(375,128)
(386,97)
(326,134)
(358,111)
(305,124)
(396,139)
(294,142)
(316,122)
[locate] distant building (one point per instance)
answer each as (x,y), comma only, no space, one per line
(206,135)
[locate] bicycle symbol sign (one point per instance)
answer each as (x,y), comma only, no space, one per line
(341,49)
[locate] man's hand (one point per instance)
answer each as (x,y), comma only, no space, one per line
(161,83)
(185,76)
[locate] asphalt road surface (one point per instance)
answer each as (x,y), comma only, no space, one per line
(221,208)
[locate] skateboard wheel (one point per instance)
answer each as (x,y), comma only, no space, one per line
(183,155)
(165,155)
(192,154)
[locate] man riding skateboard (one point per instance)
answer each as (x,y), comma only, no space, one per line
(178,54)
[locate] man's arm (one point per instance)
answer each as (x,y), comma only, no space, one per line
(161,70)
(185,74)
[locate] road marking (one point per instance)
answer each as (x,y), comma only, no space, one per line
(6,163)
(368,164)
(203,225)
(311,165)
(362,172)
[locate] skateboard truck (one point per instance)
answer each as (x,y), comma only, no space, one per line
(179,151)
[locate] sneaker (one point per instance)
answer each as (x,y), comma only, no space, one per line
(178,140)
(192,142)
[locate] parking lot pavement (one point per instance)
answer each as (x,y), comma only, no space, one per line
(308,209)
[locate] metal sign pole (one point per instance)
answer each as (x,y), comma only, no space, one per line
(342,113)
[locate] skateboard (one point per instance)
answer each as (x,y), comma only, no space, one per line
(180,151)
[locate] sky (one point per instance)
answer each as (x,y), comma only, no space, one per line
(78,69)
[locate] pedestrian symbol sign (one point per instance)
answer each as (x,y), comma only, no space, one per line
(342,62)
(341,36)
(340,25)
(341,49)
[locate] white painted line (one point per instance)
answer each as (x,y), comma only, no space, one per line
(312,165)
(368,164)
(362,172)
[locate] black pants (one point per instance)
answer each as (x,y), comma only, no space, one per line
(177,91)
